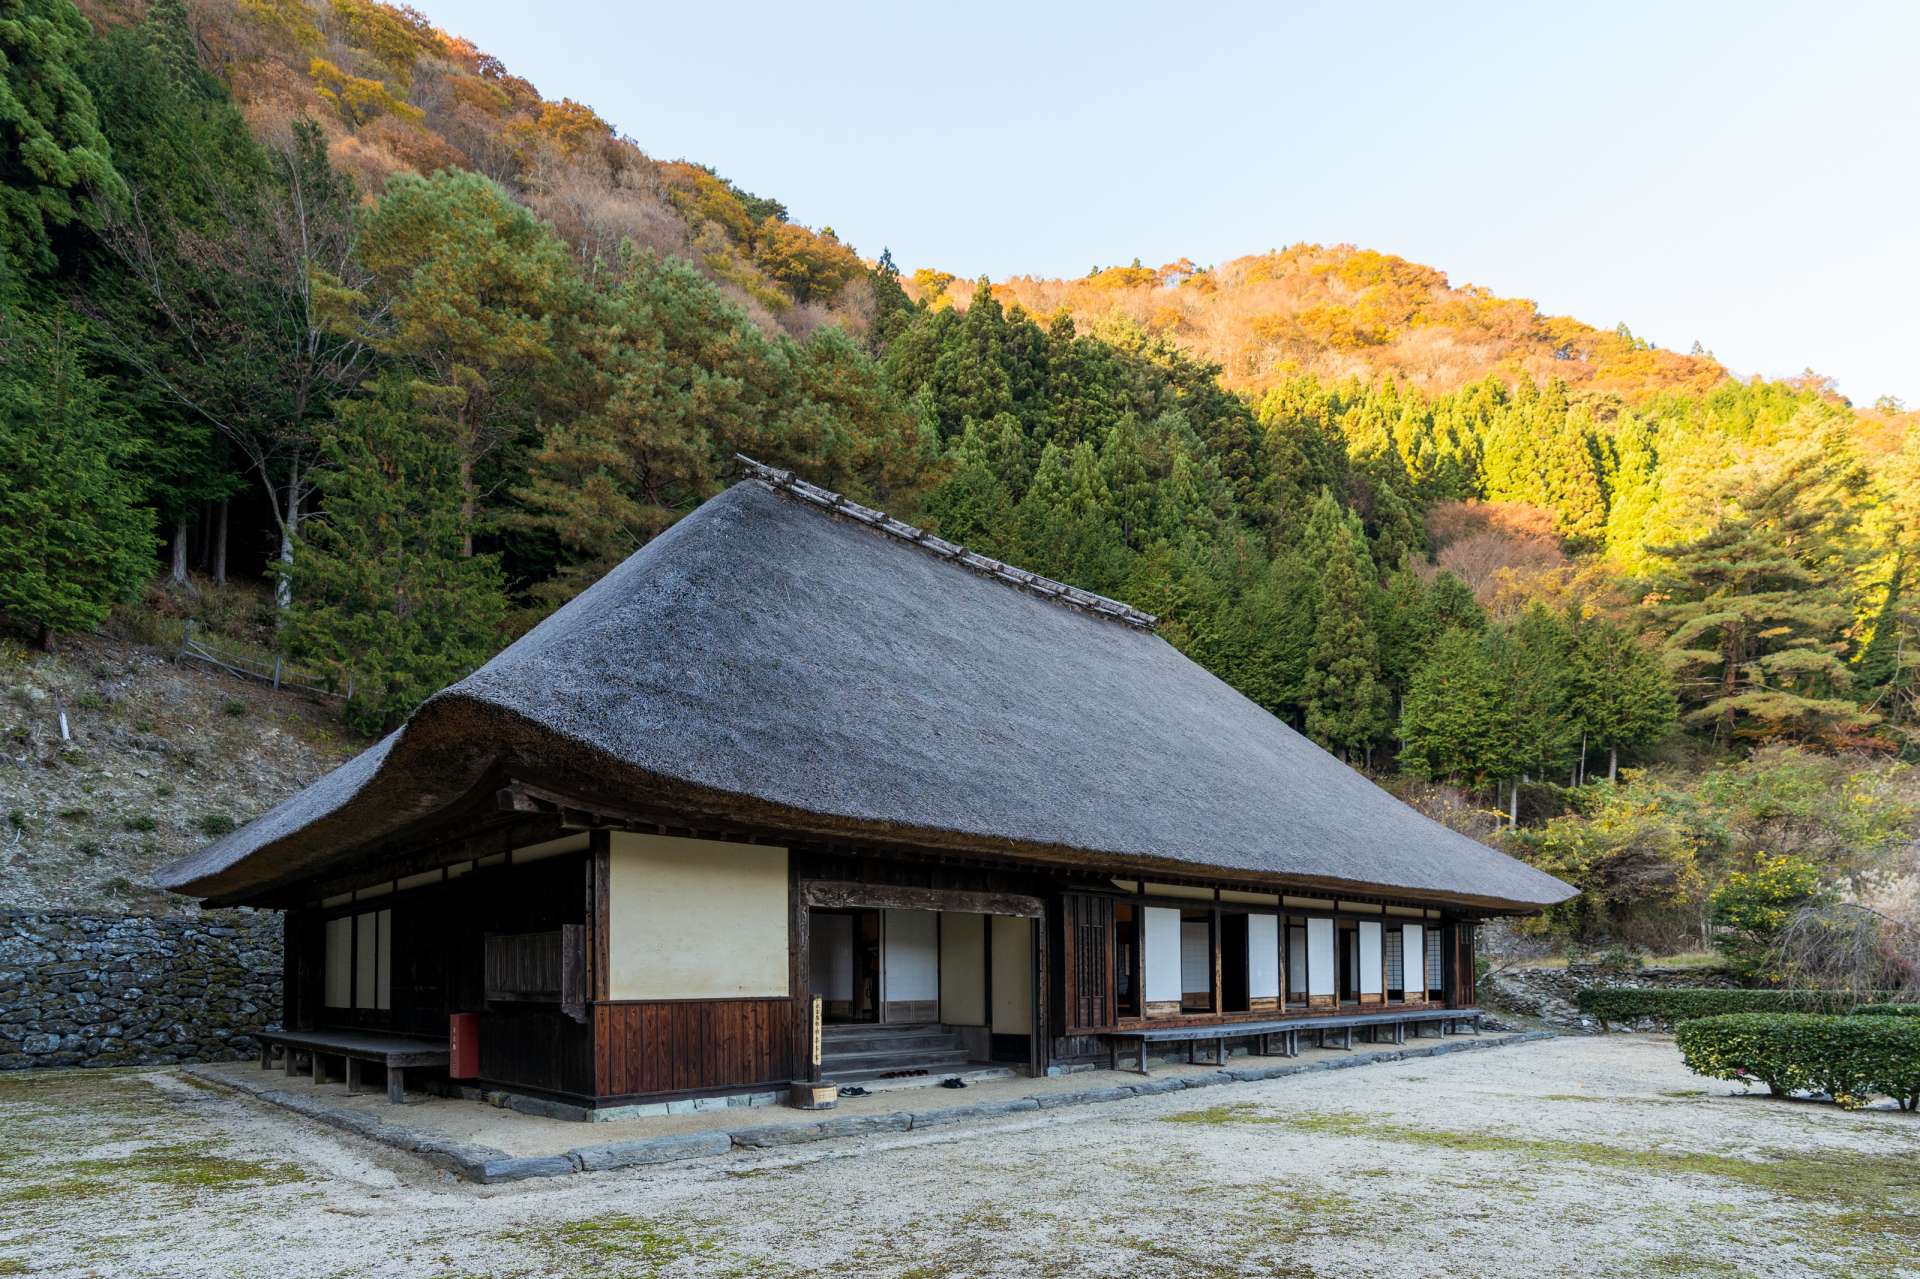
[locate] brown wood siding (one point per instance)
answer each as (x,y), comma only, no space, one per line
(1086,964)
(1463,993)
(682,1045)
(536,1048)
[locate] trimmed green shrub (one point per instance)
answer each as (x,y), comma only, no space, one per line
(1851,1059)
(1678,1003)
(1888,1010)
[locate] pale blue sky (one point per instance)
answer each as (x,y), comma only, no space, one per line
(1743,175)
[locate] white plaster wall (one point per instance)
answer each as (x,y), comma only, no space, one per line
(695,918)
(1370,957)
(963,969)
(910,968)
(1320,956)
(1263,956)
(830,952)
(1160,953)
(1012,975)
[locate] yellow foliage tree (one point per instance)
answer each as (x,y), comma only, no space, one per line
(358,99)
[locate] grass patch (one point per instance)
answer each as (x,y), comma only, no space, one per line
(191,1168)
(62,1189)
(1870,1204)
(651,1243)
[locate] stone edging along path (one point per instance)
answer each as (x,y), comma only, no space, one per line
(487,1165)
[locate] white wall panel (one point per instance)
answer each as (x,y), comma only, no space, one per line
(1320,956)
(339,984)
(1263,956)
(1196,957)
(910,970)
(1370,957)
(1012,975)
(963,969)
(695,918)
(366,961)
(1160,954)
(1415,936)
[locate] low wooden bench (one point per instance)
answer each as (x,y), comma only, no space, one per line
(1445,1020)
(395,1052)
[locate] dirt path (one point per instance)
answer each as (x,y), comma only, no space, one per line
(1581,1157)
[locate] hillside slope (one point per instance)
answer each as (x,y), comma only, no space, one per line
(394,94)
(159,757)
(1339,311)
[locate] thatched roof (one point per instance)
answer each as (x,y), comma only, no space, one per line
(814,670)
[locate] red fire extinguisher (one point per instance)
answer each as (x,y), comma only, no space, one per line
(463,1046)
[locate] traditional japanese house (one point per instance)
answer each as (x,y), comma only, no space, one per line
(798,781)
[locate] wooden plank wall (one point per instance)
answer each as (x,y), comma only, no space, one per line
(651,1046)
(1086,963)
(1459,939)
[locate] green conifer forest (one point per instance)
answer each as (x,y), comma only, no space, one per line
(317,301)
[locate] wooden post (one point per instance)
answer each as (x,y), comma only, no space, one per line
(276,670)
(396,1085)
(353,1075)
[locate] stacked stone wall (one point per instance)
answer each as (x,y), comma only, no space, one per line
(135,990)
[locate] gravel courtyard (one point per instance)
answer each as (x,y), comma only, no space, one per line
(1588,1157)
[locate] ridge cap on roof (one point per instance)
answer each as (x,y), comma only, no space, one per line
(791,485)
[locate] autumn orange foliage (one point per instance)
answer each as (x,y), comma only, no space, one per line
(1340,311)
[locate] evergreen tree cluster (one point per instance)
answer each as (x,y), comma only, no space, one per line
(435,416)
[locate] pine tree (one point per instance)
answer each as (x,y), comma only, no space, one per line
(672,379)
(1756,610)
(386,597)
(470,291)
(74,538)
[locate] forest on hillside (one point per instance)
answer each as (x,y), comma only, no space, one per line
(316,296)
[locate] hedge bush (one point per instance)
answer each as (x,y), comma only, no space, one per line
(1679,1003)
(1888,1010)
(1852,1059)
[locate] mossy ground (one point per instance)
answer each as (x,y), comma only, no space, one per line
(1469,1167)
(1861,1207)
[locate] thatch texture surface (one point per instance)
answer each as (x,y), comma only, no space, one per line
(765,656)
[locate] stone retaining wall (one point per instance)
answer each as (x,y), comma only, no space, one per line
(135,990)
(1547,993)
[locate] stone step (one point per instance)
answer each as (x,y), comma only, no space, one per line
(932,1041)
(935,1073)
(834,1030)
(892,1060)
